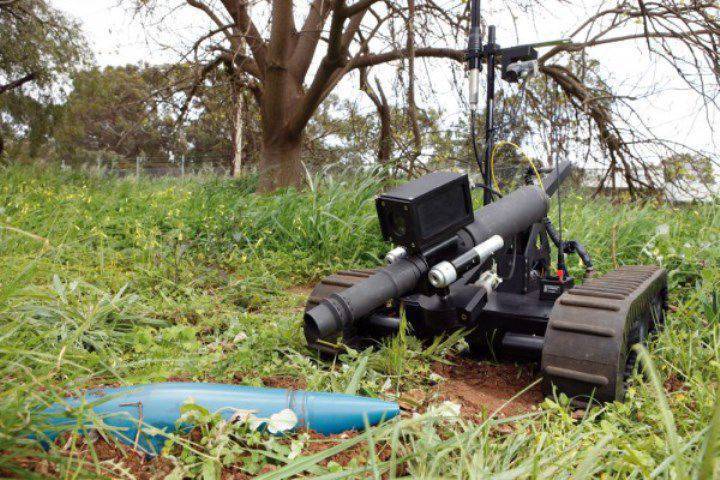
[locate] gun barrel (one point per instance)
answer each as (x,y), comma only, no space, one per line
(506,217)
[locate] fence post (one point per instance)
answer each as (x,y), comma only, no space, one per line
(137,167)
(182,165)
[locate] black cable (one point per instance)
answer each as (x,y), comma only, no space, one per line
(478,159)
(485,187)
(569,246)
(512,117)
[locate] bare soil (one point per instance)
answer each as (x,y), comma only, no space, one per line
(301,290)
(483,388)
(285,381)
(115,461)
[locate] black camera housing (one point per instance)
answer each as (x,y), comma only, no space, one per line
(521,53)
(426,211)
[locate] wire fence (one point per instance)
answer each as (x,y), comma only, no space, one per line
(595,178)
(146,166)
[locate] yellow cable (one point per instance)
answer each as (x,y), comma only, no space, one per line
(517,147)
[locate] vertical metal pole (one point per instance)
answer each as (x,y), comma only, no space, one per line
(474,54)
(490,53)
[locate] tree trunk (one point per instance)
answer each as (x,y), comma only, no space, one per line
(281,165)
(237,160)
(385,141)
(383,109)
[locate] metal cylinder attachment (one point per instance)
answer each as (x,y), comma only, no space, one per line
(395,254)
(442,275)
(445,273)
(474,87)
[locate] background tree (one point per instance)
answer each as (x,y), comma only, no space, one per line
(690,173)
(114,110)
(123,112)
(681,33)
(38,45)
(293,63)
(291,57)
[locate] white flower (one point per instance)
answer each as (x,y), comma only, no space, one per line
(445,410)
(663,229)
(282,421)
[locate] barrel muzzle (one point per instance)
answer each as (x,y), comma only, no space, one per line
(322,322)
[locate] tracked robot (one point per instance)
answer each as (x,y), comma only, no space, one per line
(491,271)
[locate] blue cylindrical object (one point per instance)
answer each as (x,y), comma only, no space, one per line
(120,408)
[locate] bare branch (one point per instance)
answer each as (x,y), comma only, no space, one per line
(17,83)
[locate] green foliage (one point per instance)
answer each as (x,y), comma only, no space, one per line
(39,43)
(113,110)
(209,128)
(107,281)
(36,38)
(681,169)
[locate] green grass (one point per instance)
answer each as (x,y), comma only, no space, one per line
(106,281)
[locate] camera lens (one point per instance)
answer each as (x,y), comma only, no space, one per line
(397,223)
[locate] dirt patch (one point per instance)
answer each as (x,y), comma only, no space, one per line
(141,467)
(674,383)
(319,443)
(301,290)
(482,387)
(273,381)
(113,461)
(285,381)
(300,293)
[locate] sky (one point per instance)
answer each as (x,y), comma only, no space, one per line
(118,37)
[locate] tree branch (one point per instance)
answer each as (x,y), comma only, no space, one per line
(332,61)
(358,7)
(369,60)
(238,10)
(308,38)
(576,47)
(205,8)
(18,83)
